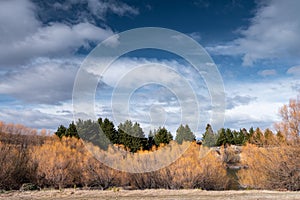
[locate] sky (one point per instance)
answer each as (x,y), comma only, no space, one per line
(255,46)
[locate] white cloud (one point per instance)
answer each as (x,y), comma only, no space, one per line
(24,37)
(294,71)
(267,72)
(101,8)
(262,109)
(273,33)
(34,118)
(47,81)
(54,40)
(17,20)
(232,102)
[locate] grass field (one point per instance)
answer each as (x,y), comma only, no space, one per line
(150,194)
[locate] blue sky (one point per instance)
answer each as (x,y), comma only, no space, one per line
(255,45)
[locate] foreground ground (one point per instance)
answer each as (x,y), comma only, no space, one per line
(150,194)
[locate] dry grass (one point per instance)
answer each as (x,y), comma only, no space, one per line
(150,194)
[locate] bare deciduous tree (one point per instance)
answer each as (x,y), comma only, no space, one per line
(290,124)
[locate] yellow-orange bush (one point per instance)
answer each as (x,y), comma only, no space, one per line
(270,168)
(58,162)
(14,166)
(191,170)
(48,161)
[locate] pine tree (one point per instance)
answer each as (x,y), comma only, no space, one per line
(222,140)
(61,131)
(72,131)
(150,140)
(229,136)
(109,130)
(184,133)
(236,135)
(90,131)
(251,132)
(162,136)
(132,136)
(240,137)
(209,138)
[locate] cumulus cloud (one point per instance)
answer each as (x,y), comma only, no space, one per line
(17,20)
(25,37)
(239,100)
(258,107)
(45,81)
(34,118)
(273,32)
(54,40)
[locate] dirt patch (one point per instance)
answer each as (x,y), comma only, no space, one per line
(150,194)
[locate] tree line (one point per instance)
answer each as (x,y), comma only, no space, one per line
(256,136)
(130,135)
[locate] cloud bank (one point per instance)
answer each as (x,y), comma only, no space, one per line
(273,33)
(24,36)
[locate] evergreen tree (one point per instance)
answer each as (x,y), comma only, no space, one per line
(124,133)
(132,136)
(139,141)
(209,138)
(251,132)
(150,140)
(109,130)
(235,135)
(246,135)
(226,136)
(162,136)
(72,131)
(61,131)
(184,133)
(90,131)
(240,137)
(229,137)
(222,140)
